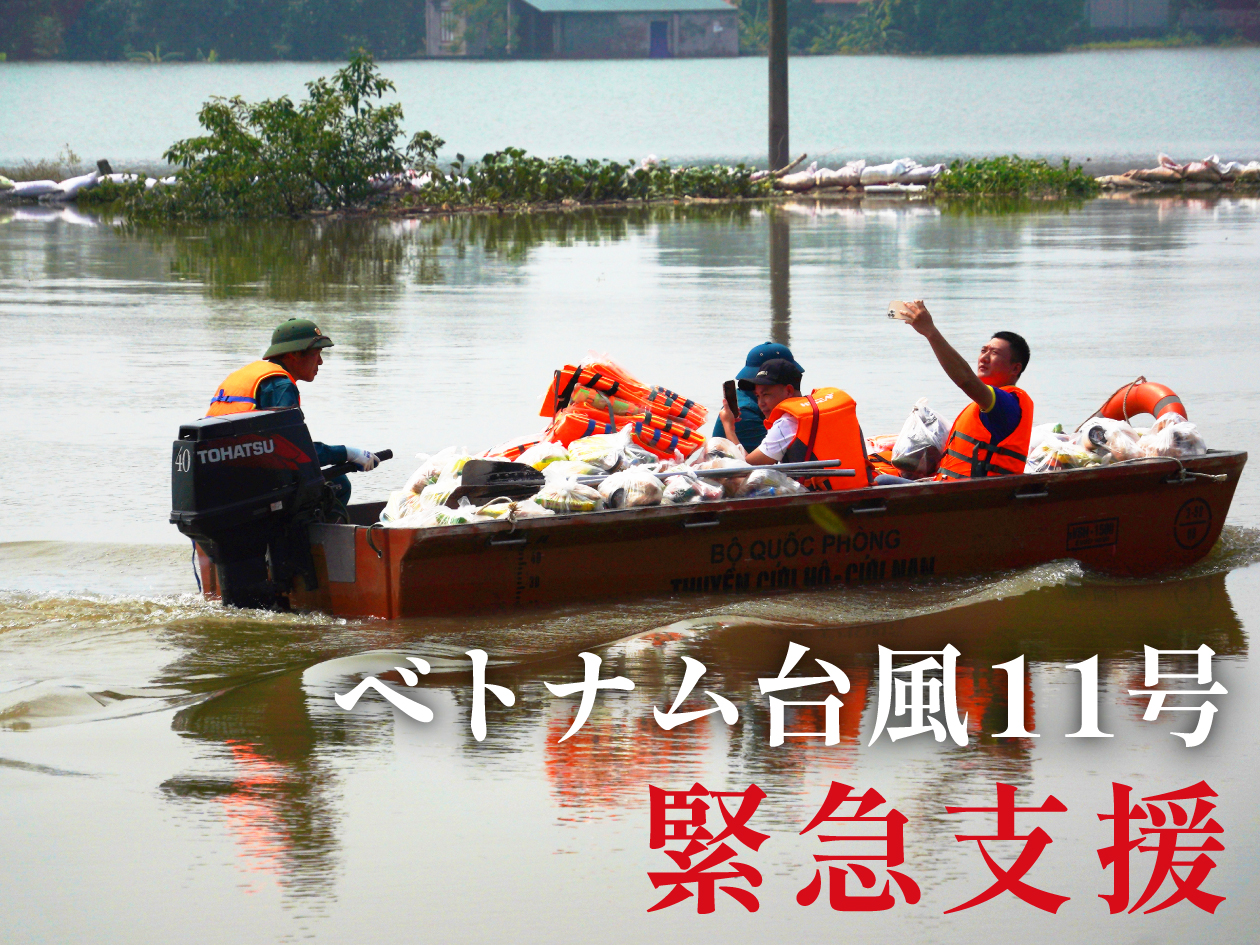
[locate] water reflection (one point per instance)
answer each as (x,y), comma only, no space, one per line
(272,768)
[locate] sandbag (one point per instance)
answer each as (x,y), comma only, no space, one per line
(1200,173)
(921,174)
(69,189)
(886,173)
(34,188)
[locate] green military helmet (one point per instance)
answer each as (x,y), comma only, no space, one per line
(297,334)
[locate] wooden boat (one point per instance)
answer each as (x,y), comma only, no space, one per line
(1131,519)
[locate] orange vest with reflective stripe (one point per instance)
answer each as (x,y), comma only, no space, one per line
(970,452)
(827,428)
(239,392)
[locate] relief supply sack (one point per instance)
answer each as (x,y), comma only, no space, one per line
(631,488)
(684,490)
(1107,437)
(1173,435)
(444,464)
(605,450)
(541,455)
(921,442)
(569,495)
(769,482)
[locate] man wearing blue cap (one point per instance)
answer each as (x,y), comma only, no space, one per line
(750,427)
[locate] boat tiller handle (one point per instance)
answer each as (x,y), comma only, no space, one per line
(332,472)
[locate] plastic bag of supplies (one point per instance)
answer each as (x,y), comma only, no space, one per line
(1108,437)
(1173,435)
(444,464)
(631,488)
(569,495)
(768,482)
(604,450)
(541,455)
(921,442)
(684,490)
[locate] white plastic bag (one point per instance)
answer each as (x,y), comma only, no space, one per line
(1059,451)
(569,495)
(683,490)
(1118,439)
(603,450)
(541,455)
(509,509)
(444,464)
(768,482)
(437,493)
(631,488)
(1173,435)
(921,442)
(731,485)
(716,447)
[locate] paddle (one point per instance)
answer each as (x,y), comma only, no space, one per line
(485,479)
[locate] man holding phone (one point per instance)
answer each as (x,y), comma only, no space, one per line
(750,422)
(991,435)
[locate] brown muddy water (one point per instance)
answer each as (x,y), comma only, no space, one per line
(172,771)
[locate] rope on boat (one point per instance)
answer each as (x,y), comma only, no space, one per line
(1182,475)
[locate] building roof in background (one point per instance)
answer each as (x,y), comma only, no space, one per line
(629,6)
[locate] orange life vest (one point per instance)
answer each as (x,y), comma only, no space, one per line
(827,428)
(970,451)
(239,392)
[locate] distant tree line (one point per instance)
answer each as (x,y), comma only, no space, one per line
(210,29)
(153,30)
(920,26)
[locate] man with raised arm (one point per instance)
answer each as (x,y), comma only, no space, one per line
(990,436)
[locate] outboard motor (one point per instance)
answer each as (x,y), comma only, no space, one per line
(245,486)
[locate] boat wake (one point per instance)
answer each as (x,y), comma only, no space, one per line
(71,657)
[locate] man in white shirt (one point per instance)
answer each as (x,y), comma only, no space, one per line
(776,381)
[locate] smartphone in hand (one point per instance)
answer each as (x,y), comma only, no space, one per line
(728,392)
(899,310)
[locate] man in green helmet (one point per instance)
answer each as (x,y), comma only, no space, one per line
(295,354)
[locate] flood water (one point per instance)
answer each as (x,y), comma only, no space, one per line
(1117,108)
(173,771)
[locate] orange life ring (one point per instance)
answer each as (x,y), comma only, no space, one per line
(1142,396)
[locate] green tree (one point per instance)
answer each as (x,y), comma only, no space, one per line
(277,158)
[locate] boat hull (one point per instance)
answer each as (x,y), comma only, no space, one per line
(1129,520)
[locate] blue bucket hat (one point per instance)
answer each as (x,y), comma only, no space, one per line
(763,353)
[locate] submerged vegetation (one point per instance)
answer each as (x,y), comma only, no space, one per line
(1015,176)
(338,149)
(278,158)
(511,176)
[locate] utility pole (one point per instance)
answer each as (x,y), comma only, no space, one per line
(780,277)
(778,85)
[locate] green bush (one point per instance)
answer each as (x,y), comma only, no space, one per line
(511,176)
(276,158)
(1015,176)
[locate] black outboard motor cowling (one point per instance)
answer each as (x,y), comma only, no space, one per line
(245,487)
